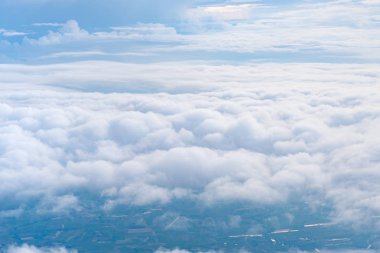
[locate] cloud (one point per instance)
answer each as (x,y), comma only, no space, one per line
(326,31)
(370,2)
(222,12)
(10,33)
(155,32)
(61,204)
(265,143)
(172,251)
(32,249)
(330,27)
(112,134)
(71,32)
(68,32)
(185,251)
(49,24)
(186,76)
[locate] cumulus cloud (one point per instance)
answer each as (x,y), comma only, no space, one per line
(68,32)
(128,134)
(265,144)
(32,249)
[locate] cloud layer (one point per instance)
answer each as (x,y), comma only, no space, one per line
(261,145)
(213,103)
(329,31)
(187,76)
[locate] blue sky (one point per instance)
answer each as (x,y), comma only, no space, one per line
(45,31)
(97,14)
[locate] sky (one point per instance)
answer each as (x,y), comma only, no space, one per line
(46,31)
(256,101)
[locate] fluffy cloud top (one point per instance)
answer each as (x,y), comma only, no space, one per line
(261,145)
(138,124)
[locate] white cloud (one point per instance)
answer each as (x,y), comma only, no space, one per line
(89,54)
(370,2)
(345,28)
(69,32)
(328,30)
(146,32)
(59,204)
(187,76)
(263,143)
(49,24)
(10,33)
(222,12)
(172,251)
(32,249)
(185,251)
